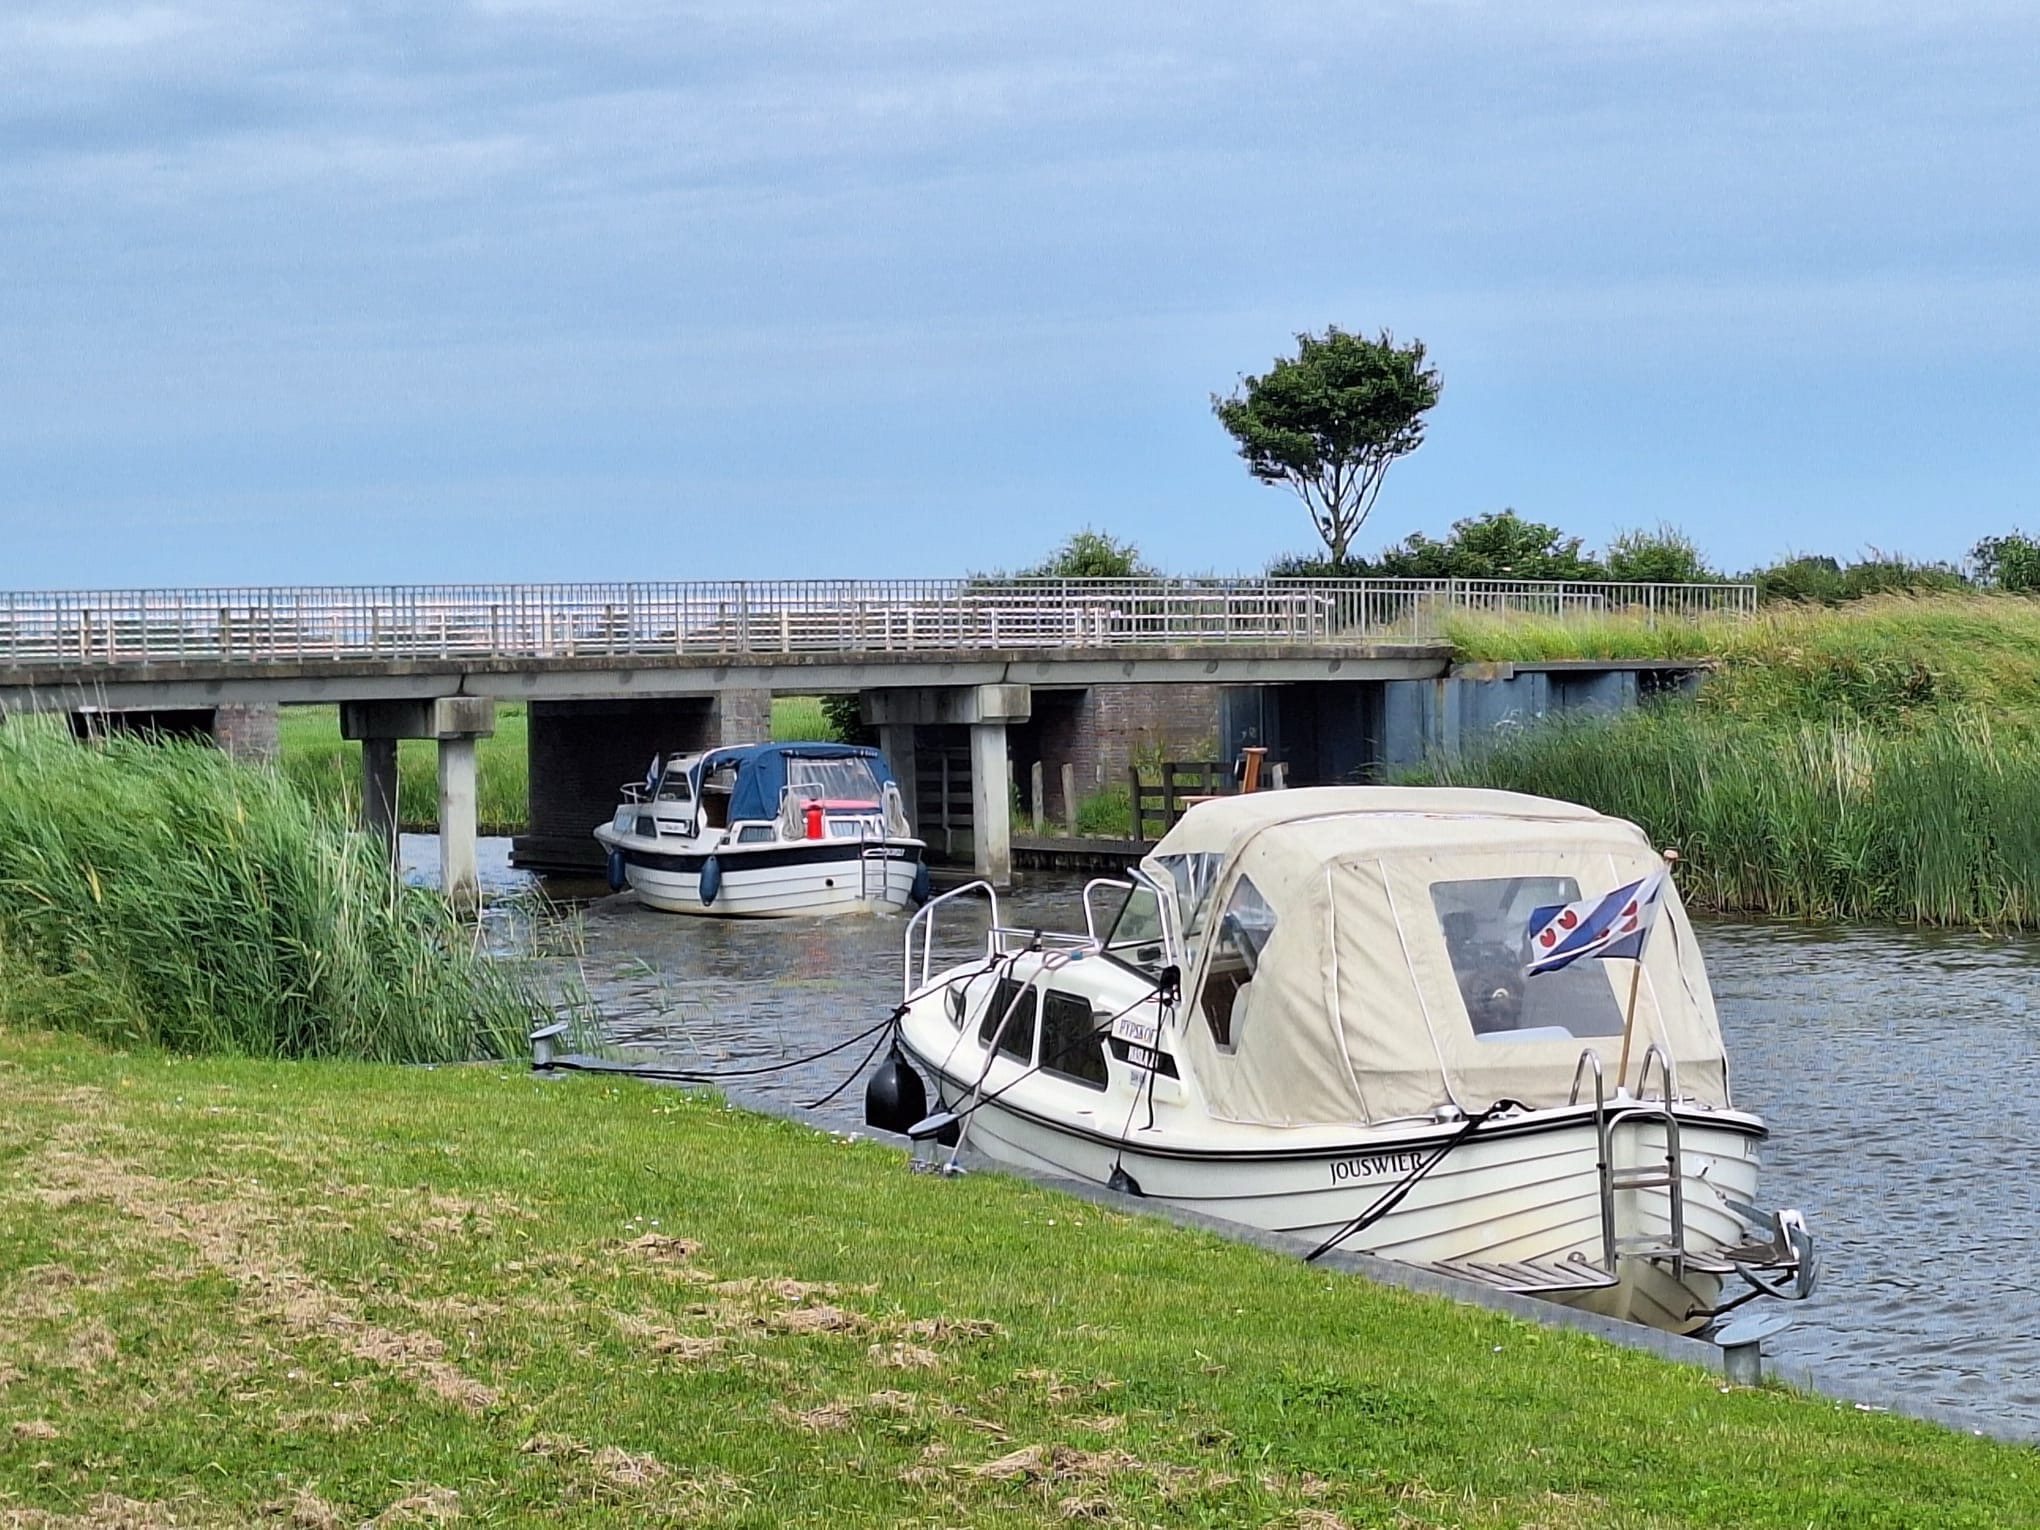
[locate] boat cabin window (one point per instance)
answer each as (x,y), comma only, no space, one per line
(1136,933)
(845,780)
(1487,933)
(1071,1045)
(1017,1040)
(756,834)
(674,786)
(1236,946)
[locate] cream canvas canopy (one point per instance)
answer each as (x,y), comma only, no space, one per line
(1384,979)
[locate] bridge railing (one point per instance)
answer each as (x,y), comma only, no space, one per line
(567,621)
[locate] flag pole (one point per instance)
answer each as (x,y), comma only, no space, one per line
(1636,978)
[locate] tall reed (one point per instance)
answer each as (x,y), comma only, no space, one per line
(1930,824)
(159,893)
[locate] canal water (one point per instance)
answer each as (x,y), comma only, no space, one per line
(1899,1072)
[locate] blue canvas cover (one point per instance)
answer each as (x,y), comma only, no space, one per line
(761,771)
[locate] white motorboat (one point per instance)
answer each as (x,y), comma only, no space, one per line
(1310,1011)
(766,829)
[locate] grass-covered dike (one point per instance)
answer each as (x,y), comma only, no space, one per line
(1879,761)
(329,1293)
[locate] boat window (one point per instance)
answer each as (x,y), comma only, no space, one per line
(675,787)
(1136,933)
(1071,1045)
(1196,878)
(1236,946)
(1017,1039)
(756,834)
(1487,933)
(846,780)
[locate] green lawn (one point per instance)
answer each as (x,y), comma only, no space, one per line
(316,1293)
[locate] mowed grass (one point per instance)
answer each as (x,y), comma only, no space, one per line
(327,768)
(318,1293)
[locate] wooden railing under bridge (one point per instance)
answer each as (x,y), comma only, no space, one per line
(564,621)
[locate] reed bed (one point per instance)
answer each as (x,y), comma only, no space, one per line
(160,894)
(1932,823)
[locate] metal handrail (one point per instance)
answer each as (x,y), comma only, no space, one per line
(73,629)
(924,920)
(1670,1069)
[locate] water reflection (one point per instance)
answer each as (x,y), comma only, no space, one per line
(1897,1070)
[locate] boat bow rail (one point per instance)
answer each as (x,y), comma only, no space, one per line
(1001,940)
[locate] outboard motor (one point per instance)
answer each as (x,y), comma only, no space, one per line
(895,1099)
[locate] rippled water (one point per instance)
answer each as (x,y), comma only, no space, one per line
(1899,1072)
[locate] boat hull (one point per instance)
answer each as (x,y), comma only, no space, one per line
(1519,1192)
(772,881)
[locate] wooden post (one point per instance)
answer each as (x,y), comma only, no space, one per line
(1069,786)
(1139,831)
(1038,793)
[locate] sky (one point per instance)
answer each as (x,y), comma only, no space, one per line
(350,291)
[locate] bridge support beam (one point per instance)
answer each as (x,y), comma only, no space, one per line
(991,804)
(454,723)
(379,793)
(985,710)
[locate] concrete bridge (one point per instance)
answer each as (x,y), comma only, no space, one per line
(615,672)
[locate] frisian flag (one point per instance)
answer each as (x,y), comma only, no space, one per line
(1614,924)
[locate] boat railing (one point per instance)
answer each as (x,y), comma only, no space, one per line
(923,924)
(1669,1176)
(1669,1068)
(1000,939)
(1090,920)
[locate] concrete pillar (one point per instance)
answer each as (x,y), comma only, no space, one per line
(458,876)
(379,792)
(991,801)
(455,722)
(896,743)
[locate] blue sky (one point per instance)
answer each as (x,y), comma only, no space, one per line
(381,291)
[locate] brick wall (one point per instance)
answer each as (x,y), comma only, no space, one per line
(1104,728)
(246,732)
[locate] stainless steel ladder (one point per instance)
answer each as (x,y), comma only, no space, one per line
(1670,1175)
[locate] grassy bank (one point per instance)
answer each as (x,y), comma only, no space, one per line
(1877,761)
(316,1293)
(327,768)
(162,894)
(1880,658)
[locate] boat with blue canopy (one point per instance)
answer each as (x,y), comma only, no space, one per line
(766,829)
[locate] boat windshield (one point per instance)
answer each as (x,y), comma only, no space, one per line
(844,780)
(1136,936)
(1195,876)
(674,785)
